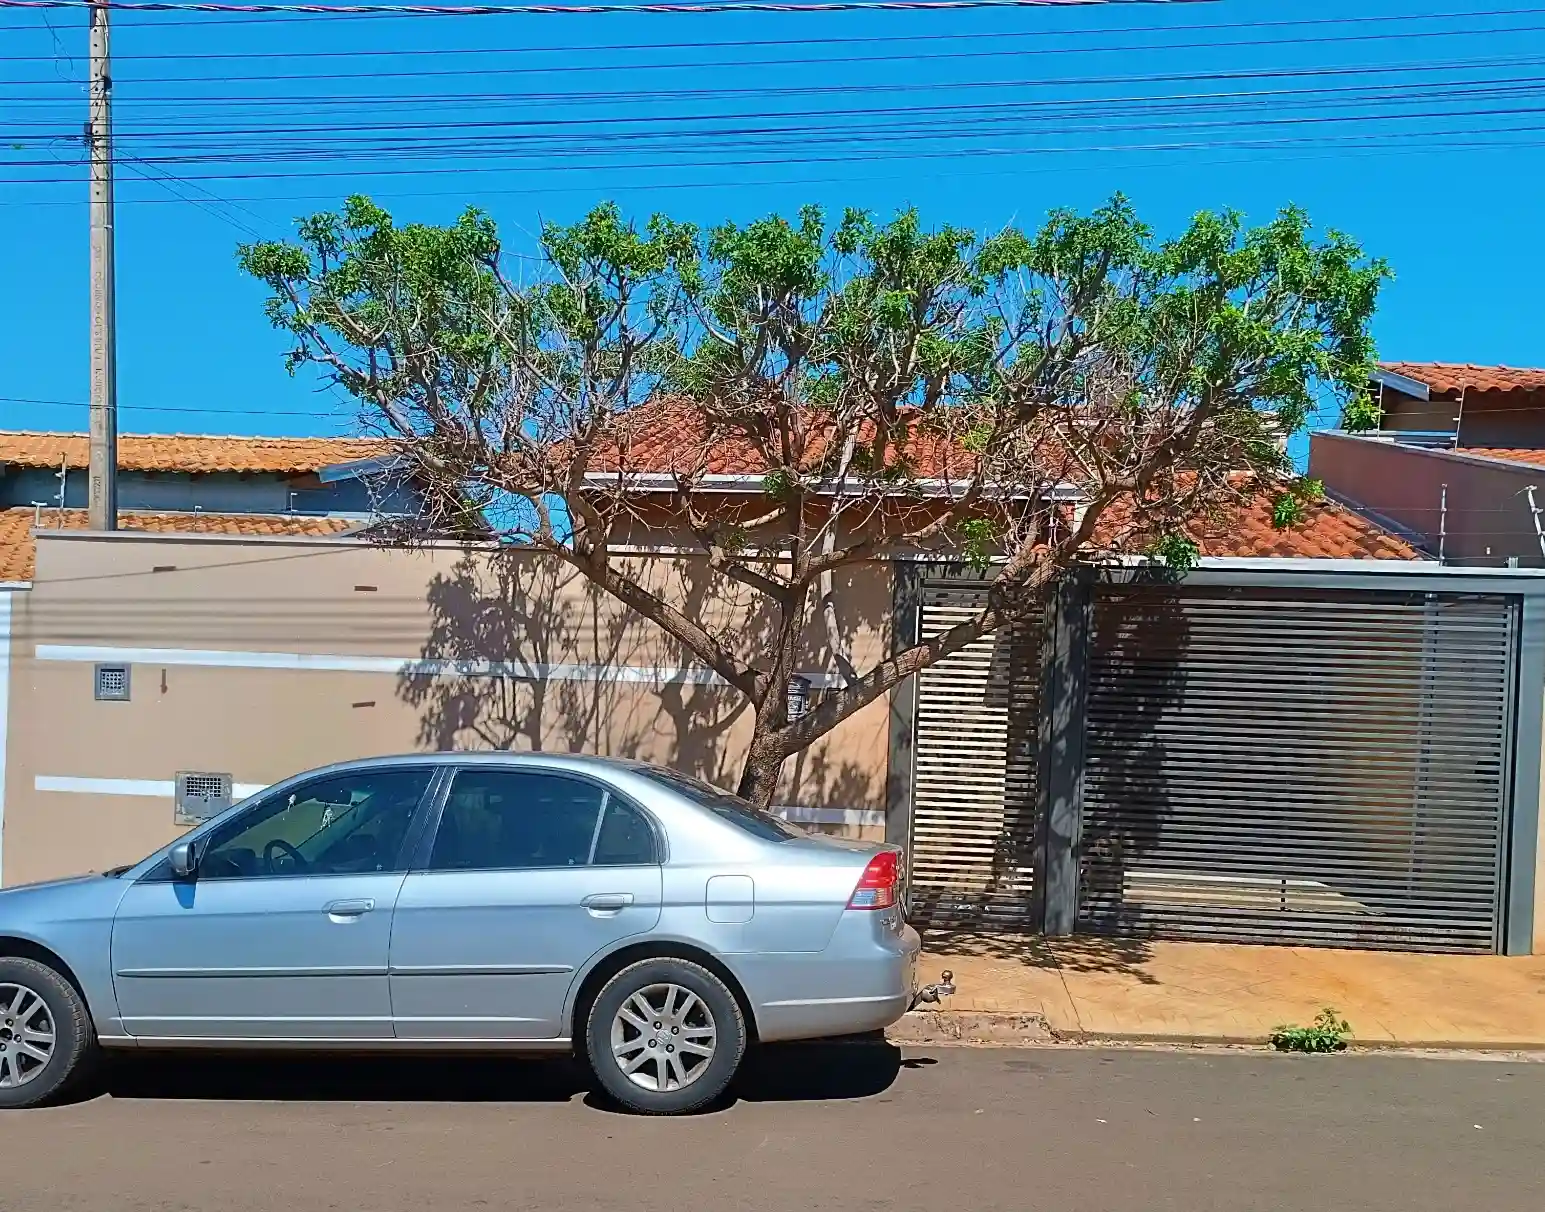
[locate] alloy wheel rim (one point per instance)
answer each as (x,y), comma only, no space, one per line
(664,1038)
(27,1035)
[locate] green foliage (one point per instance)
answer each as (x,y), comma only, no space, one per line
(1177,552)
(1290,507)
(1361,413)
(1327,1033)
(979,540)
(885,331)
(779,484)
(1156,378)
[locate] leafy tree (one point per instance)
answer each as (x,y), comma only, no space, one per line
(1029,399)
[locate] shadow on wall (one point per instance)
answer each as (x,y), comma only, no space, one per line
(1137,678)
(576,672)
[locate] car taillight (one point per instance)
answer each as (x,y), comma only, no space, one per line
(877,886)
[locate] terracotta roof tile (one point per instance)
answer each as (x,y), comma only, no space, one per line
(1454,376)
(1514,455)
(194,453)
(18,548)
(1330,532)
(668,437)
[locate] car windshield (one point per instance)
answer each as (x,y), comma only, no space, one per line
(741,813)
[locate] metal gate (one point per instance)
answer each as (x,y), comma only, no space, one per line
(1323,768)
(973,833)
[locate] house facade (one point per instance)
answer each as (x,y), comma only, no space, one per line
(188,473)
(145,662)
(1317,736)
(1457,465)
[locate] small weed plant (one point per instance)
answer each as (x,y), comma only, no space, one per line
(1327,1033)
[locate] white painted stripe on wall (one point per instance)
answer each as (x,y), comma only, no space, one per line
(151,788)
(212,658)
(803,814)
(5,711)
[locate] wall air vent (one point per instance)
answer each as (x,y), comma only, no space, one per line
(112,683)
(201,795)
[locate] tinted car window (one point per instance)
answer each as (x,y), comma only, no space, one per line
(626,838)
(731,808)
(343,824)
(499,819)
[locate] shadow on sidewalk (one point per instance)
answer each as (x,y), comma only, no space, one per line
(1076,953)
(859,1068)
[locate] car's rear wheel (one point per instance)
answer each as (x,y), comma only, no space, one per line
(46,1038)
(665,1037)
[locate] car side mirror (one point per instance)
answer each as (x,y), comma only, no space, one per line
(184,860)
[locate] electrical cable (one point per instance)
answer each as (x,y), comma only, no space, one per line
(584,10)
(873,39)
(925,55)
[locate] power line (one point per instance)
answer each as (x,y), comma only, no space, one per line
(227,22)
(842,151)
(626,187)
(547,136)
(925,53)
(844,40)
(554,10)
(1041,82)
(1246,106)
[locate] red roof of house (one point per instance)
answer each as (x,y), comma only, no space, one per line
(669,438)
(1329,532)
(1462,376)
(195,453)
(1535,458)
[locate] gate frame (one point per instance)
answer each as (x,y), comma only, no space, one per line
(1065,670)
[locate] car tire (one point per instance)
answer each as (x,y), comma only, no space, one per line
(33,998)
(633,1054)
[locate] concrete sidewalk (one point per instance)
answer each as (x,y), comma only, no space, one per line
(1013,986)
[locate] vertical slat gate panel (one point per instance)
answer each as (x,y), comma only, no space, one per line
(973,796)
(1325,768)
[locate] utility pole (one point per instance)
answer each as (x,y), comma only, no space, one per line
(102,471)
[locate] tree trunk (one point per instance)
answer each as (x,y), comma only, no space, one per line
(764,762)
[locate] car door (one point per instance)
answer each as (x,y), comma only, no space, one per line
(530,872)
(284,930)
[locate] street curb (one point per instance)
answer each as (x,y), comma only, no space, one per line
(939,1027)
(960,1026)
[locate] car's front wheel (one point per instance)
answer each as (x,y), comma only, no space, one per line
(46,1039)
(665,1037)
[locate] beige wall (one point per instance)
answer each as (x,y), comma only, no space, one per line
(205,600)
(1488,517)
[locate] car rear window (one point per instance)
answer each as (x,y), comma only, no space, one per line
(741,813)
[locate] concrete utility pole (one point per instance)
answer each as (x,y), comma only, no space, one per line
(102,473)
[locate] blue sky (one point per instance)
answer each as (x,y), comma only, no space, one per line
(1420,137)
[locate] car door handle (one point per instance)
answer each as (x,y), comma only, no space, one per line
(607,902)
(348,908)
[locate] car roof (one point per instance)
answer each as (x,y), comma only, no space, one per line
(486,757)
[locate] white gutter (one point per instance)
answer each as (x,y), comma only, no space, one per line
(1407,386)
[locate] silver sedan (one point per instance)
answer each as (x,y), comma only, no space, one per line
(648,921)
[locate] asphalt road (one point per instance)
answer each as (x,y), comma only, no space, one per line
(851,1128)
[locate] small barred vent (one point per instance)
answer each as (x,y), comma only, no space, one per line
(201,796)
(112,683)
